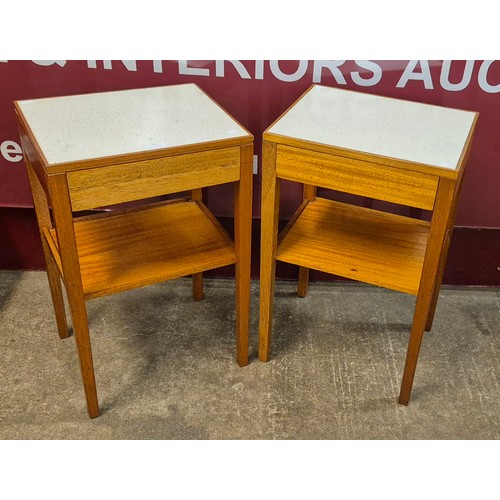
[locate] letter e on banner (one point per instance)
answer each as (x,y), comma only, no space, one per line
(11,151)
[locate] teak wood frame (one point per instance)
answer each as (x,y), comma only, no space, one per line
(305,239)
(62,189)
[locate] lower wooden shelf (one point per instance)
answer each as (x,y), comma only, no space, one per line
(358,243)
(121,251)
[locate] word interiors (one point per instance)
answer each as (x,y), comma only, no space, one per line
(368,74)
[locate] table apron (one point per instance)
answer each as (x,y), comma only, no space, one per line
(363,178)
(102,186)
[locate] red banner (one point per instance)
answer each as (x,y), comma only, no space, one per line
(257,92)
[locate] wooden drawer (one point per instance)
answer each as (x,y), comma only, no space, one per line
(363,178)
(103,186)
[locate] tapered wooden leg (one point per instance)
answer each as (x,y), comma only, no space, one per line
(303,281)
(416,335)
(444,257)
(74,288)
(269,240)
(437,233)
(438,282)
(82,337)
(432,310)
(309,193)
(197,195)
(41,205)
(57,294)
(243,245)
(198,286)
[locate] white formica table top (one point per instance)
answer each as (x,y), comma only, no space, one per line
(86,126)
(394,128)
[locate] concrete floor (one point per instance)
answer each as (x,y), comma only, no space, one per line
(165,366)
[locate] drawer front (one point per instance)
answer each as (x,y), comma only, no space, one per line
(358,177)
(103,186)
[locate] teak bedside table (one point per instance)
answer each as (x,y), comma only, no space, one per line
(102,149)
(388,149)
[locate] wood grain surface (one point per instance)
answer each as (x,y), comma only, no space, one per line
(144,179)
(123,251)
(357,177)
(358,243)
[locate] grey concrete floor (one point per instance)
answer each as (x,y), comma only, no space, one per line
(165,365)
